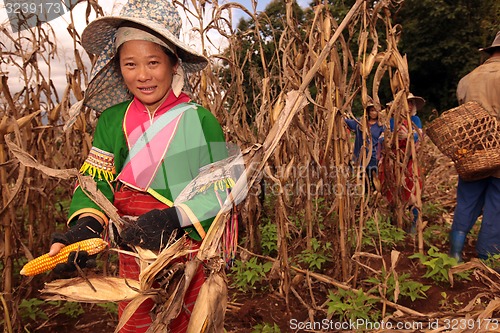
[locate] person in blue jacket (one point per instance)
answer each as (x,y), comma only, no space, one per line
(371,122)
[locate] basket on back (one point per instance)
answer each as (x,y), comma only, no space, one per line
(470,136)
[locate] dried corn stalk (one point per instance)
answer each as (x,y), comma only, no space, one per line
(295,128)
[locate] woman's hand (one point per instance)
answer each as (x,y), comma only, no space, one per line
(402,132)
(55,248)
(85,228)
(154,229)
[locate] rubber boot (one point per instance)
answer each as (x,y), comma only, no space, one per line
(482,256)
(413,229)
(457,242)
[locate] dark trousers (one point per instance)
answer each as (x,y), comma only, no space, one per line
(474,198)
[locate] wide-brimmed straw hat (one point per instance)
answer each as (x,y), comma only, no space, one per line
(158,15)
(419,101)
(494,45)
(106,87)
(371,104)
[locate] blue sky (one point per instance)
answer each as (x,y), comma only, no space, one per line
(261,5)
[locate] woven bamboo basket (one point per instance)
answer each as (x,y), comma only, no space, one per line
(470,136)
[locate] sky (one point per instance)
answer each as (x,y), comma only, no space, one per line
(65,59)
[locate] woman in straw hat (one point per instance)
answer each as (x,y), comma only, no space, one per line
(481,196)
(149,144)
(403,130)
(372,122)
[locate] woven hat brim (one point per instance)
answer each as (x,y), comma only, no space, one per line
(105,89)
(418,100)
(494,45)
(490,49)
(99,32)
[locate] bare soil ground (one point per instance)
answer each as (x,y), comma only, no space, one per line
(245,311)
(443,301)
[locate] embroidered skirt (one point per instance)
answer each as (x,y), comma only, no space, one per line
(134,203)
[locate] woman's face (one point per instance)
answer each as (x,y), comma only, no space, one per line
(373,113)
(412,105)
(147,72)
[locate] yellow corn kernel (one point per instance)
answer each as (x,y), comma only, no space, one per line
(46,263)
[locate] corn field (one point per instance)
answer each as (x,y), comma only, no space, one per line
(286,113)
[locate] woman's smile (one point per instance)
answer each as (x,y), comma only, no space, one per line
(147,71)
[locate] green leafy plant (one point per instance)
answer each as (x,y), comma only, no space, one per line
(266,328)
(71,309)
(388,234)
(316,256)
(110,307)
(432,210)
(298,219)
(407,287)
(269,241)
(246,274)
(353,305)
(435,234)
(493,261)
(321,207)
(443,303)
(438,265)
(31,309)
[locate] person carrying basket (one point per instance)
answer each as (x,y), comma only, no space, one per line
(482,85)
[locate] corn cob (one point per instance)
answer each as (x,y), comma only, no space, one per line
(46,263)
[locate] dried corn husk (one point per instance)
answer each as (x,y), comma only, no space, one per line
(108,289)
(278,106)
(209,310)
(131,308)
(8,125)
(172,307)
(150,272)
